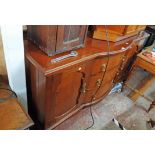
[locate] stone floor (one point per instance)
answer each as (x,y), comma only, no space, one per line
(119,106)
(132,115)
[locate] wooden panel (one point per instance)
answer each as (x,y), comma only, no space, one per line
(118,29)
(44,36)
(141,27)
(89,96)
(63,90)
(114,60)
(145,65)
(13,116)
(70,37)
(130,29)
(67,92)
(99,65)
(92,82)
(116,32)
(110,75)
(103,90)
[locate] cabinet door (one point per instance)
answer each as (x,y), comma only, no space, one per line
(70,37)
(63,90)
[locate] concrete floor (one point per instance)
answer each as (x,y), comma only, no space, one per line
(132,115)
(119,106)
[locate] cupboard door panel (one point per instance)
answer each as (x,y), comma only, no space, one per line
(67,92)
(70,37)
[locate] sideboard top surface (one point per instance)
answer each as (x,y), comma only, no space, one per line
(92,49)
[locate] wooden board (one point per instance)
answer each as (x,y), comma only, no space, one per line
(13,116)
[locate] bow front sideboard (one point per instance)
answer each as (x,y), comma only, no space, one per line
(57,90)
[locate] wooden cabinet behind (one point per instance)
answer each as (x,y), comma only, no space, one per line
(53,39)
(116,32)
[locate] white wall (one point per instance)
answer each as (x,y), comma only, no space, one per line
(12,37)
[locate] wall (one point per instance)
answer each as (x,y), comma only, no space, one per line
(3,71)
(12,37)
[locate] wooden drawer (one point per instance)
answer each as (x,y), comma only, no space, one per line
(92,83)
(110,75)
(103,90)
(130,29)
(114,61)
(89,96)
(130,52)
(99,65)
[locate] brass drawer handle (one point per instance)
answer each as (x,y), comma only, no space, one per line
(98,82)
(103,67)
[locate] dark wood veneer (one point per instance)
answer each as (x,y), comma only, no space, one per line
(58,90)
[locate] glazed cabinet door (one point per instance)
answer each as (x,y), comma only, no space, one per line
(70,37)
(63,90)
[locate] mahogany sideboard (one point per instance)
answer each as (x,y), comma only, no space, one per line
(58,90)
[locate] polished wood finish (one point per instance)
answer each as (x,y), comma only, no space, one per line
(116,32)
(58,90)
(54,39)
(13,116)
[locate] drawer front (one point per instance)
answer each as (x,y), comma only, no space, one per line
(99,65)
(110,75)
(103,90)
(114,61)
(130,52)
(130,29)
(89,96)
(94,81)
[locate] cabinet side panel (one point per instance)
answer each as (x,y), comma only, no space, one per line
(44,36)
(36,92)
